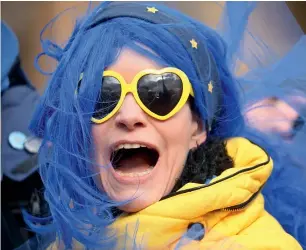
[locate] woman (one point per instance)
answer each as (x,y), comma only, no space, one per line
(142,120)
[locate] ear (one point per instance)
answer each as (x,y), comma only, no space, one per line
(198,132)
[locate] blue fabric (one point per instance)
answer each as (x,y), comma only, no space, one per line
(18,104)
(5,83)
(9,53)
(271,46)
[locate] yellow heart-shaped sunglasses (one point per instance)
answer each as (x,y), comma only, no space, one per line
(159,93)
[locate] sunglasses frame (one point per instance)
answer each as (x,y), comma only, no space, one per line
(132,88)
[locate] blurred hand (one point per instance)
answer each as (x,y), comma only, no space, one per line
(272,115)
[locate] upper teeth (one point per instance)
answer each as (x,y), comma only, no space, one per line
(128,145)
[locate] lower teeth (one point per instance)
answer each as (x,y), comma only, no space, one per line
(135,174)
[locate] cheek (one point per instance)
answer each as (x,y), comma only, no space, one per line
(177,132)
(179,127)
(97,139)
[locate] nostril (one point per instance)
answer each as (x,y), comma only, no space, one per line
(138,125)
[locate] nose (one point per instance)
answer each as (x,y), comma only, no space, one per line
(130,116)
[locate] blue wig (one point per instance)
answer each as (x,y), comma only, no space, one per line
(79,210)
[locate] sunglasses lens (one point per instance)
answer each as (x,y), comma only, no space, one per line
(160,93)
(108,98)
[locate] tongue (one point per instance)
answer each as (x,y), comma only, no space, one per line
(136,163)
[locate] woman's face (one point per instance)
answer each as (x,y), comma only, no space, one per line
(131,127)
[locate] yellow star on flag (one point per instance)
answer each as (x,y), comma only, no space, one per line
(194,44)
(152,9)
(210,87)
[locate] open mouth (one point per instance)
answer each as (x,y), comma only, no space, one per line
(134,159)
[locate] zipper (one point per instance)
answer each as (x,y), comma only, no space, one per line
(244,204)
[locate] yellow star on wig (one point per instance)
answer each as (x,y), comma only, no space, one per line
(210,87)
(194,44)
(152,9)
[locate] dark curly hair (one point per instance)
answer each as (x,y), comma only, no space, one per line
(208,159)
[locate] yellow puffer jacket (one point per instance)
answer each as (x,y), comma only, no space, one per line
(229,212)
(230,209)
